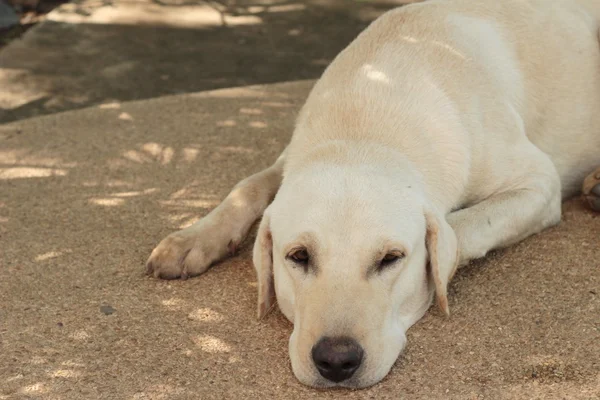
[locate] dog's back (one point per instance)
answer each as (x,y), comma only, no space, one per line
(529,66)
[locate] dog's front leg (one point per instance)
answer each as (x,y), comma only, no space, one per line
(505,218)
(191,251)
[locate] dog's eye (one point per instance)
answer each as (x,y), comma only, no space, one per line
(389,259)
(299,256)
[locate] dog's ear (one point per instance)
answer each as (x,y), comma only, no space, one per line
(442,247)
(263,264)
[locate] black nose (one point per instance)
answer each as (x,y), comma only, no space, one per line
(337,358)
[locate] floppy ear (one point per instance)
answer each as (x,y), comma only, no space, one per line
(262,258)
(442,247)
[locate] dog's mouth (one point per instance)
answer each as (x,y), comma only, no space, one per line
(351,383)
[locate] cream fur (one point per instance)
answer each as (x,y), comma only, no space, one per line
(445,130)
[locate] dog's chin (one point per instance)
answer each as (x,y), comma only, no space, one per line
(321,383)
(358,382)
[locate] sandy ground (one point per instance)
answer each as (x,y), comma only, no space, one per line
(85,195)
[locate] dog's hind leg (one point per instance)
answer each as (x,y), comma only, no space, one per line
(531,204)
(191,251)
(591,190)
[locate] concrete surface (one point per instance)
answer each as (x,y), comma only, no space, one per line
(85,195)
(90,52)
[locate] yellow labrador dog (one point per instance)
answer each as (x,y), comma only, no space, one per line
(445,130)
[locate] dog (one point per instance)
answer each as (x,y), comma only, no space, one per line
(445,130)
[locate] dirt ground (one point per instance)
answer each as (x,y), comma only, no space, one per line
(85,195)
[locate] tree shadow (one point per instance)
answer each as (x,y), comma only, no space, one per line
(80,58)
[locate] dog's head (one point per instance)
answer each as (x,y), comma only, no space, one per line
(354,256)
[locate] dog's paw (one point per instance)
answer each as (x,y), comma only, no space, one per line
(184,254)
(591,190)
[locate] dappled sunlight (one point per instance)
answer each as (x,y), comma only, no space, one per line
(136,156)
(37,360)
(374,74)
(30,172)
(44,380)
(166,156)
(183,220)
(23,164)
(251,111)
(188,222)
(64,373)
(119,197)
(26,158)
(14,378)
(160,152)
(150,13)
(52,254)
(107,202)
(72,364)
(80,335)
(409,39)
(191,203)
(233,359)
(238,199)
(110,106)
(267,8)
(211,344)
(276,104)
(150,152)
(174,304)
(232,93)
(235,149)
(110,71)
(111,183)
(125,116)
(227,123)
(189,154)
(258,124)
(206,315)
(153,148)
(181,193)
(36,388)
(191,196)
(134,193)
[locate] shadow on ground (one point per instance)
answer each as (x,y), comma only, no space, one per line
(93,52)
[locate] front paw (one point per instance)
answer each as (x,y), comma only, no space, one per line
(182,254)
(591,190)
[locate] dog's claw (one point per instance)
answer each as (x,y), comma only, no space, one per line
(184,275)
(232,247)
(591,190)
(183,255)
(594,198)
(149,268)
